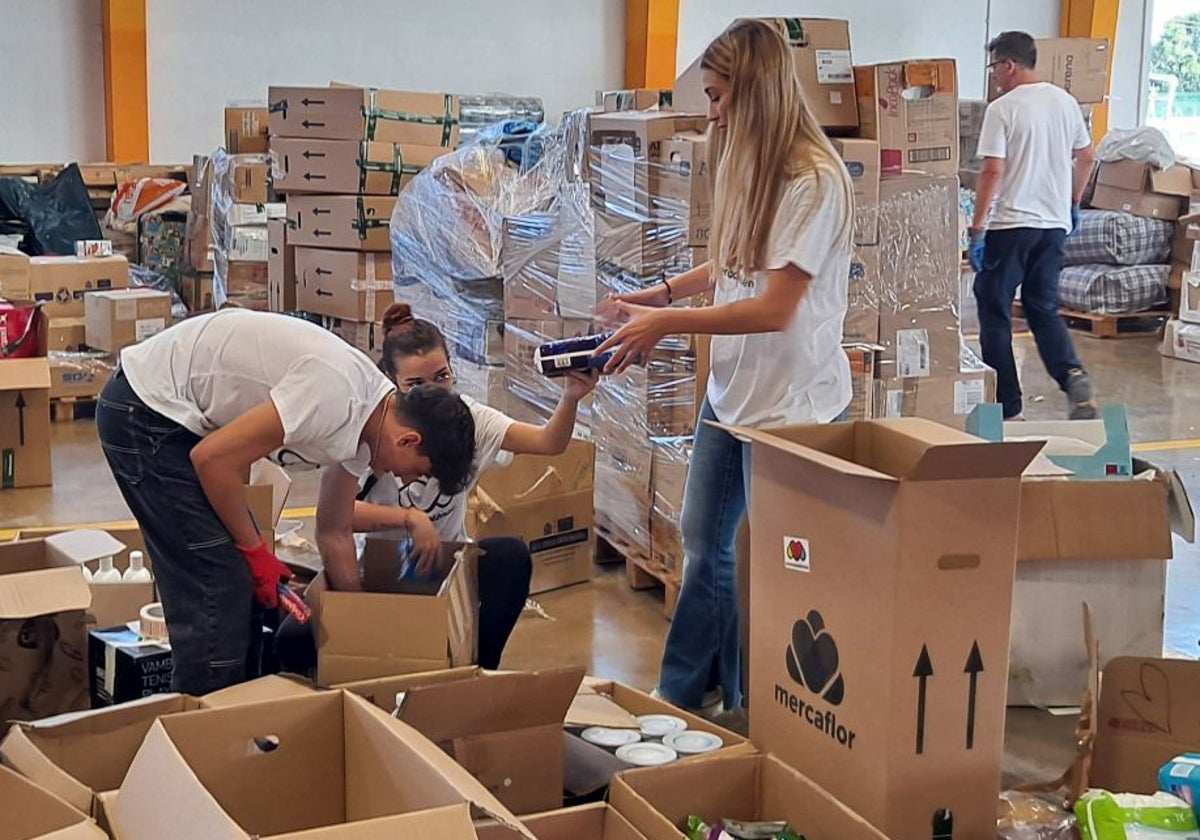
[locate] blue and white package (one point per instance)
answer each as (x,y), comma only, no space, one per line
(558,358)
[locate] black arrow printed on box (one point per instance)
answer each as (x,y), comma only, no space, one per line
(923,671)
(21,418)
(312,124)
(306,101)
(973,667)
(318,232)
(317,211)
(311,154)
(323,293)
(312,176)
(319,271)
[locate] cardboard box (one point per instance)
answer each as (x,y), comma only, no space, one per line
(247,285)
(637,99)
(597,821)
(344,284)
(251,182)
(821,53)
(1181,341)
(1143,721)
(658,801)
(669,471)
(1189,298)
(1077,65)
(864,359)
(944,398)
(125,667)
(79,375)
(1079,449)
(247,243)
(549,264)
(919,343)
(67,335)
(256,215)
(352,113)
(357,223)
(197,293)
(626,158)
(891,697)
(80,755)
(911,108)
(392,627)
(281,268)
(1133,187)
(228,771)
(346,166)
(115,320)
(686,180)
(861,325)
(24,423)
(246,130)
(61,283)
(547,501)
(862,162)
(505,729)
(14,276)
(640,247)
(31,813)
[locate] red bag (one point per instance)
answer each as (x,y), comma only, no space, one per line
(20,329)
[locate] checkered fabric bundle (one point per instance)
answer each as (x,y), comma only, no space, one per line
(1112,238)
(1113,290)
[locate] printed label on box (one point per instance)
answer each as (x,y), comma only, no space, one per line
(835,97)
(834,67)
(146,327)
(796,555)
(912,353)
(124,310)
(968,394)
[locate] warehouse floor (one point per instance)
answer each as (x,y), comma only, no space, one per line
(618,633)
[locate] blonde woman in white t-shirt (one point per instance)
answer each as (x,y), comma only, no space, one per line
(780,263)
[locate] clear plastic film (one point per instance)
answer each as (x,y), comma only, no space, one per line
(1145,144)
(671,456)
(1028,816)
(79,374)
(239,213)
(479,111)
(532,397)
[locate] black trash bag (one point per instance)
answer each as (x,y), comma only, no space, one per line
(58,213)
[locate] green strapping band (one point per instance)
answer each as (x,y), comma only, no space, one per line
(397,167)
(362,224)
(373,114)
(795,31)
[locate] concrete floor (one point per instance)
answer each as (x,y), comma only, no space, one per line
(618,633)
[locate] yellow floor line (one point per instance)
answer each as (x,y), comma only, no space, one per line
(1167,445)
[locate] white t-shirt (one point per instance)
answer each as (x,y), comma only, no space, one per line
(449,512)
(801,374)
(207,371)
(1036,130)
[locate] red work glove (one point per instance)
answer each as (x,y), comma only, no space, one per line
(267,573)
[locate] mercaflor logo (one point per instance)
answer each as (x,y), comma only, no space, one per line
(812,663)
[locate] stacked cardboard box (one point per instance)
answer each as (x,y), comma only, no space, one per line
(651,194)
(341,155)
(242,205)
(196,283)
(911,108)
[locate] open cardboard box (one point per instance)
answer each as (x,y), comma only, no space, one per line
(1089,449)
(395,627)
(597,821)
(30,813)
(325,765)
(505,728)
(658,801)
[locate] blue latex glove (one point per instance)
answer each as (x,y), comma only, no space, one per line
(1075,218)
(975,249)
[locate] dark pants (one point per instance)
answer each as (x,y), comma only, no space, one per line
(1032,259)
(213,621)
(504,574)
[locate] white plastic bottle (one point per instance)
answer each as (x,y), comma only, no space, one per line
(106,573)
(87,573)
(137,571)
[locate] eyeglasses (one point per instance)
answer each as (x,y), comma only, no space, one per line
(445,379)
(992,65)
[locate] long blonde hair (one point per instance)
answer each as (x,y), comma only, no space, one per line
(772,136)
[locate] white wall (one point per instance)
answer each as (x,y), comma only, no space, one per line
(956,29)
(202,54)
(51,81)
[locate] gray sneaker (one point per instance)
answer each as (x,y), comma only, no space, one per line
(1079,396)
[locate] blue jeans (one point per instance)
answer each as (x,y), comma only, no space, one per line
(1032,259)
(203,580)
(702,650)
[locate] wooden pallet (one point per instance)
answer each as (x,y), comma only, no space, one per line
(1147,324)
(640,571)
(66,409)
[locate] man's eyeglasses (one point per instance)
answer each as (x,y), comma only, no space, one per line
(992,64)
(446,379)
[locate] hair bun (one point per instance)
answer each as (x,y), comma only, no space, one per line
(397,315)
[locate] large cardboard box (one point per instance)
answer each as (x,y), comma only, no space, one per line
(504,728)
(356,223)
(352,285)
(1077,65)
(911,108)
(14,276)
(1181,341)
(115,320)
(686,181)
(1130,186)
(646,248)
(626,159)
(891,696)
(1145,721)
(597,821)
(61,283)
(944,398)
(862,162)
(246,130)
(124,666)
(346,166)
(658,801)
(533,397)
(821,54)
(549,264)
(920,343)
(24,423)
(352,113)
(66,335)
(393,627)
(80,375)
(864,360)
(234,772)
(251,182)
(281,268)
(31,813)
(547,501)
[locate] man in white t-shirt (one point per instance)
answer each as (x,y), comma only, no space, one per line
(1037,160)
